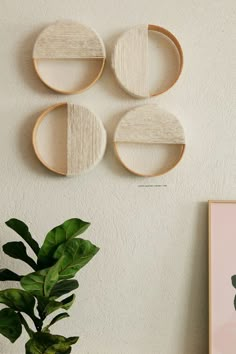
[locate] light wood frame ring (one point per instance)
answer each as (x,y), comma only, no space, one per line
(34,136)
(76,91)
(121,74)
(183,146)
(176,43)
(149,124)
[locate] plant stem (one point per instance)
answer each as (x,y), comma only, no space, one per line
(25,324)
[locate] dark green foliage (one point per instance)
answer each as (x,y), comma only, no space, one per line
(74,255)
(57,318)
(10,324)
(46,343)
(58,236)
(18,300)
(8,275)
(34,282)
(64,287)
(233,279)
(22,229)
(48,306)
(61,256)
(17,250)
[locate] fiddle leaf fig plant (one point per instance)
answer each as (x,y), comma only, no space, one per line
(45,290)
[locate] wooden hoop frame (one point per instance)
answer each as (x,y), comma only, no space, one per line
(76,91)
(183,146)
(34,136)
(149,124)
(131,73)
(68,40)
(175,41)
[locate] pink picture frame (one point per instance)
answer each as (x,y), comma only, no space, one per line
(222,284)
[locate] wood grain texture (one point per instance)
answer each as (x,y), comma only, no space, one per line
(86,140)
(149,124)
(130,61)
(68,40)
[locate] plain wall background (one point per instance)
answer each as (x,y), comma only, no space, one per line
(146,290)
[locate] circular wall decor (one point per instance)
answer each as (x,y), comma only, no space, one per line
(130,60)
(85,139)
(146,125)
(68,40)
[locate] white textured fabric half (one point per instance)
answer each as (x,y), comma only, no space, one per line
(86,140)
(68,40)
(130,61)
(149,124)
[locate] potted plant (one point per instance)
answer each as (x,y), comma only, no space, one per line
(45,290)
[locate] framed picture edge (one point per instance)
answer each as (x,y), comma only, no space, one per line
(210,202)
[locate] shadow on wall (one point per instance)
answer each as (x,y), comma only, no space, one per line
(196,331)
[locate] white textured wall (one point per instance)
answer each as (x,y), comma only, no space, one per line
(146,291)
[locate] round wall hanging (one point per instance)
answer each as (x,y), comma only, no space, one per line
(85,138)
(68,40)
(146,125)
(130,60)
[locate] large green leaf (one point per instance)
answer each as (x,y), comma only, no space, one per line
(46,343)
(59,348)
(34,282)
(6,274)
(57,236)
(74,255)
(59,317)
(52,277)
(56,305)
(46,306)
(18,300)
(10,324)
(63,287)
(41,283)
(17,250)
(71,258)
(22,229)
